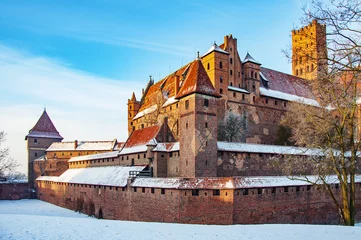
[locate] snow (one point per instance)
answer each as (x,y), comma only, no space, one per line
(44,135)
(157,182)
(166,147)
(145,111)
(136,149)
(82,145)
(170,101)
(215,47)
(263,76)
(112,154)
(288,97)
(262,148)
(35,219)
(109,176)
(237,89)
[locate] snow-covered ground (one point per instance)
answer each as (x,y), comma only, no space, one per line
(34,219)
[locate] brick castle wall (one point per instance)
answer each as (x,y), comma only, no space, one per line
(303,204)
(14,191)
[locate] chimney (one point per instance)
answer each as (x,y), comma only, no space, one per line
(75,144)
(176,84)
(142,91)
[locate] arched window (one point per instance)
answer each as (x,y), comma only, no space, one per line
(231,84)
(221,79)
(296,72)
(251,74)
(130,107)
(231,60)
(231,72)
(220,64)
(208,66)
(255,75)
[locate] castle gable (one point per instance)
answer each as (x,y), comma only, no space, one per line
(44,128)
(197,81)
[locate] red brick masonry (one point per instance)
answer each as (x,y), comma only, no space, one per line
(297,204)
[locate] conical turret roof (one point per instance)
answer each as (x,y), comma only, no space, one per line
(249,58)
(44,128)
(197,81)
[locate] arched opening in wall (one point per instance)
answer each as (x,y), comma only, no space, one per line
(130,107)
(255,75)
(254,86)
(221,79)
(231,72)
(100,213)
(296,72)
(35,154)
(208,66)
(231,84)
(251,74)
(231,60)
(220,65)
(132,163)
(254,99)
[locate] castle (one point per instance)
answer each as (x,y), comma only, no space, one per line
(175,166)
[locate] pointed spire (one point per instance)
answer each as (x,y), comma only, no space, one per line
(44,128)
(133,97)
(198,58)
(249,58)
(197,81)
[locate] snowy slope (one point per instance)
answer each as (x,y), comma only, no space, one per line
(34,219)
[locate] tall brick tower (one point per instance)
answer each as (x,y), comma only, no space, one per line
(198,124)
(309,51)
(133,107)
(40,137)
(251,72)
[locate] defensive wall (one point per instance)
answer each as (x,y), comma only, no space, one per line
(15,191)
(144,200)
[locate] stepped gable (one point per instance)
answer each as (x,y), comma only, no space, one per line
(163,88)
(197,81)
(44,128)
(286,83)
(142,136)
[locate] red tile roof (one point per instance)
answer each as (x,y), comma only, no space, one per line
(44,128)
(197,81)
(287,83)
(142,136)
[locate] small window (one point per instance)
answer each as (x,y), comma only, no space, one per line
(231,60)
(255,75)
(35,140)
(286,189)
(206,125)
(285,104)
(152,190)
(231,84)
(62,154)
(130,107)
(138,156)
(145,155)
(162,191)
(220,65)
(142,125)
(186,125)
(187,104)
(242,96)
(252,74)
(206,102)
(216,192)
(276,103)
(221,79)
(254,99)
(170,154)
(35,154)
(245,191)
(143,190)
(208,66)
(266,100)
(195,192)
(231,72)
(71,154)
(220,90)
(296,72)
(234,94)
(135,189)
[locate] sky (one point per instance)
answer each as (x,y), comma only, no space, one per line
(81,60)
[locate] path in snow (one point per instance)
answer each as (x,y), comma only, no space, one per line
(34,219)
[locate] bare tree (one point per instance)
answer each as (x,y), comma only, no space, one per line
(7,164)
(232,128)
(332,128)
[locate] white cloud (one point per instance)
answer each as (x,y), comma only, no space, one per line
(82,106)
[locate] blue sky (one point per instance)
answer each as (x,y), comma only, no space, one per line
(83,59)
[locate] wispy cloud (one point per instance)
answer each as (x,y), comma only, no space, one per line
(82,106)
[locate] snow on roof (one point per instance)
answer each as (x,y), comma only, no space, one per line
(157,182)
(82,145)
(237,89)
(288,97)
(261,148)
(44,135)
(44,128)
(215,47)
(170,101)
(263,76)
(42,158)
(249,58)
(145,112)
(109,176)
(166,147)
(135,149)
(112,154)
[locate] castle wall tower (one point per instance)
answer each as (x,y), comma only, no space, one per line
(235,63)
(216,63)
(198,124)
(309,51)
(133,107)
(251,74)
(40,137)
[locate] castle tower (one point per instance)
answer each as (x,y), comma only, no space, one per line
(40,137)
(251,71)
(216,63)
(198,124)
(133,107)
(309,51)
